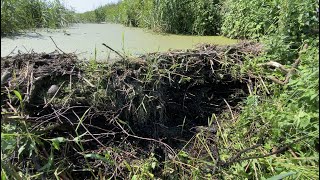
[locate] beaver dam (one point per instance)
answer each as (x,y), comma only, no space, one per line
(155,114)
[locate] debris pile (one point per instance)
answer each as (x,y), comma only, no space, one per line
(154,103)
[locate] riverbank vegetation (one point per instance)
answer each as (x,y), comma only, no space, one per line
(200,17)
(244,19)
(17,15)
(247,111)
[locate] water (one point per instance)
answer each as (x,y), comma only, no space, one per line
(84,38)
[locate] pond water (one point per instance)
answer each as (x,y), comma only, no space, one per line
(84,38)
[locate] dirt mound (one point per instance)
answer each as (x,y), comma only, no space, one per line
(154,103)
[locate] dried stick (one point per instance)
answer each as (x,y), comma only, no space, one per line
(229,109)
(88,130)
(233,159)
(12,51)
(148,139)
(56,45)
(275,64)
(291,71)
(53,96)
(280,66)
(113,50)
(280,150)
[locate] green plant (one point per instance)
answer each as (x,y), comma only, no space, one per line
(253,19)
(100,14)
(17,15)
(286,118)
(179,16)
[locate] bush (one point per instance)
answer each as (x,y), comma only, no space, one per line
(252,19)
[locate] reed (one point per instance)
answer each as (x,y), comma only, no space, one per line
(17,15)
(199,17)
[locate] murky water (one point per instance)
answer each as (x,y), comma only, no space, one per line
(84,38)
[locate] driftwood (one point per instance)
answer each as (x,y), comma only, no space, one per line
(289,72)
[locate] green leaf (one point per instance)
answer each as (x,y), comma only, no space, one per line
(150,175)
(281,176)
(32,148)
(56,142)
(183,154)
(127,165)
(3,175)
(153,165)
(77,139)
(21,149)
(49,164)
(134,177)
(59,139)
(17,93)
(97,156)
(313,96)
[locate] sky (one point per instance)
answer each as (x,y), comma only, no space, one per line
(86,5)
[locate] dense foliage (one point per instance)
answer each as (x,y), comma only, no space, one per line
(200,17)
(250,19)
(238,19)
(18,15)
(280,117)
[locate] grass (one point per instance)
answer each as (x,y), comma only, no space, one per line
(17,15)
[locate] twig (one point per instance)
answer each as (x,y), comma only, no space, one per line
(272,78)
(70,85)
(56,45)
(229,109)
(49,128)
(292,152)
(275,64)
(289,72)
(26,49)
(148,139)
(113,50)
(87,81)
(53,96)
(280,150)
(88,130)
(12,51)
(14,109)
(233,159)
(264,85)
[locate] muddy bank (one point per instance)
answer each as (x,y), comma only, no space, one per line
(152,104)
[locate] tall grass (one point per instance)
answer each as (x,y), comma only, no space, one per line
(109,12)
(201,17)
(17,15)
